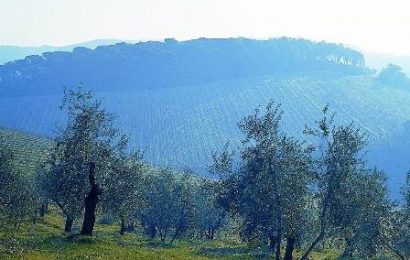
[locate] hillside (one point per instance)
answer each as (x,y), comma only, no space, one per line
(179,101)
(379,61)
(12,53)
(29,150)
(155,65)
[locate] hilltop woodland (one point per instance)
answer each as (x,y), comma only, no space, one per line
(274,196)
(191,63)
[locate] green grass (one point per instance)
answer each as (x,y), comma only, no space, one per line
(45,240)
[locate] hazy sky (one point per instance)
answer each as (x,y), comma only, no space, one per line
(371,25)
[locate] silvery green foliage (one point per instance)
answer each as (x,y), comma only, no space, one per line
(360,217)
(352,200)
(270,188)
(15,192)
(122,196)
(88,137)
(403,226)
(222,163)
(209,216)
(396,234)
(167,208)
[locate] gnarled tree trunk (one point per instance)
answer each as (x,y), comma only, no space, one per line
(91,201)
(348,251)
(68,224)
(312,246)
(272,242)
(175,236)
(131,226)
(212,235)
(290,246)
(152,231)
(43,209)
(162,235)
(123,227)
(277,252)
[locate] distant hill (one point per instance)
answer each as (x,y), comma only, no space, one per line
(29,150)
(12,53)
(379,61)
(171,63)
(394,76)
(179,101)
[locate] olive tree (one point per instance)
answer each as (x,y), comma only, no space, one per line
(270,187)
(64,187)
(360,216)
(16,198)
(123,198)
(396,233)
(343,183)
(85,150)
(167,204)
(209,216)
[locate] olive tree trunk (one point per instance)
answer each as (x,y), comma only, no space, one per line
(90,205)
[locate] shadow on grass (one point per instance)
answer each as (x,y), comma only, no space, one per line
(222,251)
(157,244)
(79,239)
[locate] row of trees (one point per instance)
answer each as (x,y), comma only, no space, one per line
(309,194)
(90,172)
(89,166)
(16,195)
(282,191)
(180,205)
(191,63)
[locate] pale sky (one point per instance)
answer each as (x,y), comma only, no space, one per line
(371,25)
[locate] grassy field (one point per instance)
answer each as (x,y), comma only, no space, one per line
(45,240)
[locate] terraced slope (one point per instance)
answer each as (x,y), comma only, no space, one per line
(29,150)
(179,127)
